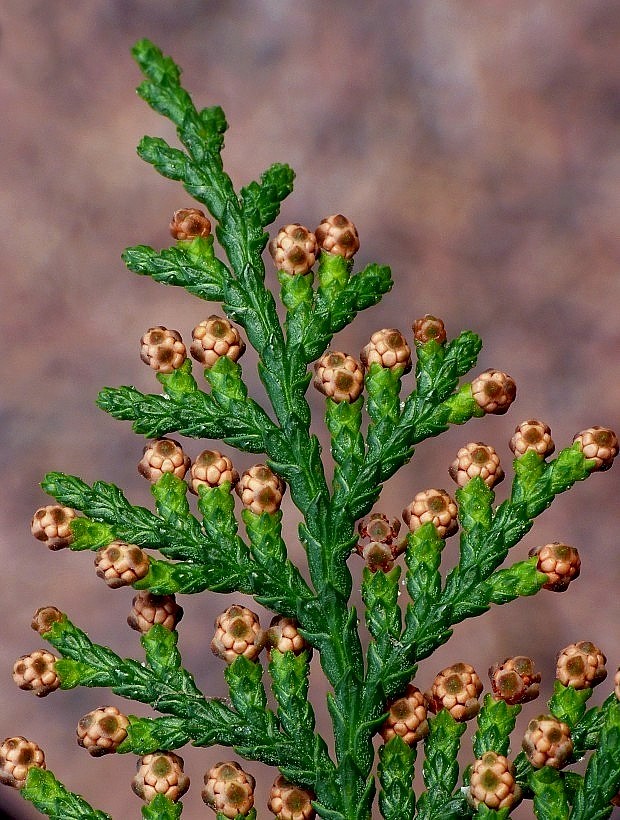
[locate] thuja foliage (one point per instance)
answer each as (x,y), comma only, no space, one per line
(374,428)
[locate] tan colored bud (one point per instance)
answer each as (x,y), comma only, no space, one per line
(547,742)
(148,609)
(493,783)
(559,562)
(387,348)
(52,525)
(494,391)
(238,632)
(102,731)
(600,444)
(294,249)
(407,717)
(36,673)
(476,459)
(338,235)
(211,469)
(429,328)
(188,223)
(377,527)
(160,773)
(617,684)
(457,689)
(216,337)
(120,564)
(436,507)
(162,349)
(532,435)
(44,619)
(17,757)
(163,455)
(514,680)
(581,665)
(284,636)
(260,490)
(378,556)
(228,789)
(339,376)
(289,802)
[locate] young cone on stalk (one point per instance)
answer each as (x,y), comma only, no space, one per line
(192,542)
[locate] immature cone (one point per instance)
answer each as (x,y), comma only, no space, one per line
(148,609)
(163,455)
(160,773)
(121,564)
(237,632)
(560,563)
(476,459)
(429,328)
(547,742)
(188,223)
(457,689)
(260,490)
(493,783)
(339,376)
(17,757)
(378,555)
(162,349)
(284,636)
(532,435)
(52,525)
(216,337)
(436,507)
(102,731)
(514,680)
(44,618)
(289,802)
(581,665)
(377,527)
(338,235)
(210,469)
(407,717)
(600,444)
(294,249)
(387,348)
(228,789)
(36,672)
(494,391)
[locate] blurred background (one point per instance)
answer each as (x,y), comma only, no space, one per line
(476,147)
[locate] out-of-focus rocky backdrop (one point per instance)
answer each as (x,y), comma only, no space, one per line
(475,145)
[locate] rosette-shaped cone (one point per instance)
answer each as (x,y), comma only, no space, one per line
(294,249)
(188,223)
(515,680)
(17,757)
(547,742)
(457,689)
(493,783)
(160,773)
(581,665)
(228,789)
(338,235)
(52,525)
(162,349)
(407,717)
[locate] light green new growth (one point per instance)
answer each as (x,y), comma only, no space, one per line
(206,552)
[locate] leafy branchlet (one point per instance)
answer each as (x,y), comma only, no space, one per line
(206,552)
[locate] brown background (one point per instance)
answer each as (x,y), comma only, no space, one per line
(476,147)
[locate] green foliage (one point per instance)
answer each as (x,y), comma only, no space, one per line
(370,440)
(51,798)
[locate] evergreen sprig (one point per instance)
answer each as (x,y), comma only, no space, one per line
(370,439)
